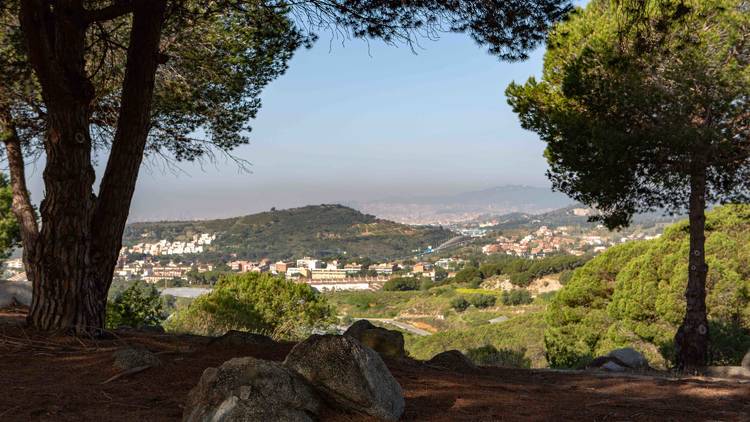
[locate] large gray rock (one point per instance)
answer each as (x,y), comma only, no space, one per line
(135,357)
(250,390)
(359,326)
(630,357)
(452,360)
(746,360)
(348,375)
(12,292)
(389,343)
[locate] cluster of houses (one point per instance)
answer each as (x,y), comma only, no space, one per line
(154,272)
(318,270)
(545,241)
(165,247)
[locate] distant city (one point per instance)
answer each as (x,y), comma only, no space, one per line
(170,262)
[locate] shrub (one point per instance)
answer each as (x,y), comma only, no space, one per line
(469,275)
(488,355)
(633,295)
(482,301)
(521,279)
(426,284)
(517,297)
(401,284)
(460,304)
(258,303)
(137,306)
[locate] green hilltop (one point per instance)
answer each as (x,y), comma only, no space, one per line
(315,230)
(633,295)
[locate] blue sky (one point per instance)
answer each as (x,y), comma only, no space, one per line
(362,121)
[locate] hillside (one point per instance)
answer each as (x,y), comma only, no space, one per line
(633,295)
(319,230)
(566,217)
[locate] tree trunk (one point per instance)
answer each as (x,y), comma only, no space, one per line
(80,238)
(22,208)
(691,340)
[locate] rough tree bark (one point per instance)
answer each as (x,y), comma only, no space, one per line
(78,244)
(691,340)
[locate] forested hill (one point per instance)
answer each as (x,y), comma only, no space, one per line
(319,230)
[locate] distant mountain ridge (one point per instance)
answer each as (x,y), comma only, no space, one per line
(315,230)
(466,206)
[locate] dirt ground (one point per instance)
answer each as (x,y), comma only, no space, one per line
(45,378)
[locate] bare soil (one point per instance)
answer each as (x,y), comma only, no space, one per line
(57,378)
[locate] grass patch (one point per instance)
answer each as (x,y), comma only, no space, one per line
(521,333)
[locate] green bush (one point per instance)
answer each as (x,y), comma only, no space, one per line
(481,301)
(489,355)
(469,275)
(517,297)
(460,304)
(137,306)
(521,279)
(402,284)
(258,303)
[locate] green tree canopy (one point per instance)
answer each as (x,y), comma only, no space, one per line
(628,116)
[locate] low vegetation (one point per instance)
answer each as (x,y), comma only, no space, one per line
(521,335)
(633,295)
(519,271)
(136,306)
(254,302)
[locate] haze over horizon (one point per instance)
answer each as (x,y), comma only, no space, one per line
(360,122)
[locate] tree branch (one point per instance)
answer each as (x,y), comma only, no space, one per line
(113,11)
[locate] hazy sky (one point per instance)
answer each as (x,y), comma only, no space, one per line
(354,122)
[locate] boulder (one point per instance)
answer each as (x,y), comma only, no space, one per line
(609,361)
(249,390)
(389,343)
(356,329)
(348,375)
(135,357)
(240,338)
(630,357)
(613,367)
(452,360)
(746,360)
(15,292)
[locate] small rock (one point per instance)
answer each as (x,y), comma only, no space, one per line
(746,361)
(251,390)
(134,357)
(241,338)
(612,367)
(389,343)
(348,374)
(630,357)
(452,360)
(156,329)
